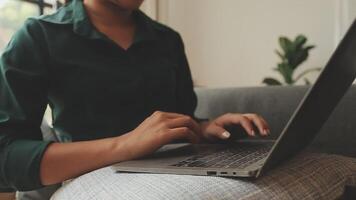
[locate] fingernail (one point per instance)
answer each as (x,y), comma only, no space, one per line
(264,132)
(226,134)
(268,132)
(253,133)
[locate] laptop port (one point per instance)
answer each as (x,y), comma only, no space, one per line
(223,172)
(211,173)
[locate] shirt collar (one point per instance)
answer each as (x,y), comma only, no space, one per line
(74,13)
(145,27)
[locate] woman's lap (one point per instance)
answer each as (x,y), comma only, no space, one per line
(307,176)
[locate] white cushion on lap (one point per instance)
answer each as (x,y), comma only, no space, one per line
(307,176)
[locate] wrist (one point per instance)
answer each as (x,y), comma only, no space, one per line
(120,149)
(203,125)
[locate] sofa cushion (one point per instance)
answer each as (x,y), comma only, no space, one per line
(307,176)
(276,104)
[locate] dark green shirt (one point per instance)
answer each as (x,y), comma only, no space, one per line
(95,88)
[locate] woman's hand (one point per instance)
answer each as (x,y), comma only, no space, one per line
(215,128)
(162,128)
(159,129)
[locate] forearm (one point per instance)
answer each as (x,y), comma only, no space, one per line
(63,161)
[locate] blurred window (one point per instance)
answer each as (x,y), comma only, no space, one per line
(13,13)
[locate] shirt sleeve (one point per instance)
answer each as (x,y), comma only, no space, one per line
(23,99)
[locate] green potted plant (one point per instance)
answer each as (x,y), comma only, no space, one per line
(293,54)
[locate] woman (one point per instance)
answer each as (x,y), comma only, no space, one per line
(118,83)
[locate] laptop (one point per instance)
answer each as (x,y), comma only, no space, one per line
(252,158)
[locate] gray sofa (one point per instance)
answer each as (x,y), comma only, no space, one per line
(276,104)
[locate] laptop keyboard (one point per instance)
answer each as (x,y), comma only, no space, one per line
(227,158)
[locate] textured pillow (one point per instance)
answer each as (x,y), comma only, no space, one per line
(307,176)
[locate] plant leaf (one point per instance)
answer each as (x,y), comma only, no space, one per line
(309,47)
(271,81)
(299,41)
(307,82)
(280,55)
(286,45)
(305,72)
(286,71)
(298,58)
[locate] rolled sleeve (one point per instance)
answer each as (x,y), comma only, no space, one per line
(23,99)
(22,165)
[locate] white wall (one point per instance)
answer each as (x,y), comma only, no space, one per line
(352,10)
(150,7)
(232,42)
